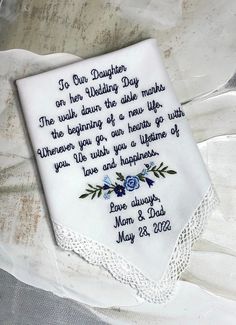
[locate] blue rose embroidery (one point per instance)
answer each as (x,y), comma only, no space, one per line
(131,183)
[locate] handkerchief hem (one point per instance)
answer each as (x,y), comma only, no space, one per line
(154,292)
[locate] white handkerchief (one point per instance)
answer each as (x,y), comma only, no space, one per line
(124,181)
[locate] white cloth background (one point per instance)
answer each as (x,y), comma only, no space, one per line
(28,257)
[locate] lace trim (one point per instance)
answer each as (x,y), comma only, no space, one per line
(155,292)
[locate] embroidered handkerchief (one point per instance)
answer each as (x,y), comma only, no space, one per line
(124,181)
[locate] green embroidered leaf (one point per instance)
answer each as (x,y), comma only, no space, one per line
(171,172)
(88,190)
(156,174)
(99,193)
(120,176)
(161,165)
(163,175)
(93,196)
(83,196)
(164,169)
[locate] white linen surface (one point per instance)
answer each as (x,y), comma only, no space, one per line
(33,257)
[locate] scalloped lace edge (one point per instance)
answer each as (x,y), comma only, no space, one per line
(155,292)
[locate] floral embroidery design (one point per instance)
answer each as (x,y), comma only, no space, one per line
(128,183)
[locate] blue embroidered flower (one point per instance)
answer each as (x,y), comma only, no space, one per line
(144,172)
(151,164)
(119,190)
(106,196)
(149,181)
(131,183)
(106,180)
